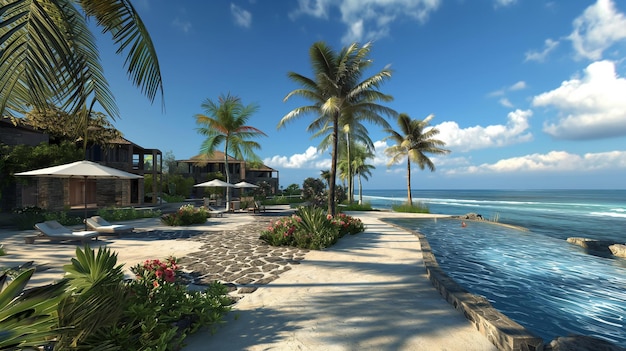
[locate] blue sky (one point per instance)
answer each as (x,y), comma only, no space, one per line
(527,94)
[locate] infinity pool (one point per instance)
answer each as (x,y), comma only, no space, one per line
(549,286)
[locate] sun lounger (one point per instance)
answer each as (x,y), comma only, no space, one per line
(100,225)
(256,207)
(53,230)
(215,212)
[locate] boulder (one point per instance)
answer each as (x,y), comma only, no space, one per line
(581,343)
(590,244)
(618,250)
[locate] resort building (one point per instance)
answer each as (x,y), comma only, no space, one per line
(201,167)
(66,193)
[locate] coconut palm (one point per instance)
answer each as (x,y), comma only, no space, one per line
(336,93)
(49,55)
(361,169)
(225,123)
(414,142)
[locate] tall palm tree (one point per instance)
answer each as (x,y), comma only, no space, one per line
(49,55)
(225,123)
(337,92)
(414,142)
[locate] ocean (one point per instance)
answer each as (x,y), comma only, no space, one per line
(596,214)
(535,277)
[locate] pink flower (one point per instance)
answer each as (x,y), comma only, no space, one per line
(159,273)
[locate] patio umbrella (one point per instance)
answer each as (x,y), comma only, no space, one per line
(245,185)
(217,184)
(81,169)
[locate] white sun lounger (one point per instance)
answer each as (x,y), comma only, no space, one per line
(100,225)
(53,230)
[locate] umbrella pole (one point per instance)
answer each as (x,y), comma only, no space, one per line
(85,201)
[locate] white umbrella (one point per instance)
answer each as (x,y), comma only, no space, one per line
(220,184)
(216,183)
(80,169)
(245,185)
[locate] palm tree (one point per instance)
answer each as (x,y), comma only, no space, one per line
(336,93)
(49,55)
(413,142)
(359,157)
(225,123)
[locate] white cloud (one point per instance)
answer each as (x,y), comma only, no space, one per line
(504,3)
(554,161)
(479,137)
(367,20)
(592,107)
(599,27)
(540,56)
(181,24)
(521,85)
(309,159)
(242,17)
(505,102)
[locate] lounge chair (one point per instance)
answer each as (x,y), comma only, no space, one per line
(100,225)
(215,212)
(53,230)
(256,207)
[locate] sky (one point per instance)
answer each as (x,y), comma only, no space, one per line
(526,94)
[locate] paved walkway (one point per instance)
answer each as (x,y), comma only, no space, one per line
(368,292)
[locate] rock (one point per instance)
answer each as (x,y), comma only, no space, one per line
(618,250)
(581,343)
(590,244)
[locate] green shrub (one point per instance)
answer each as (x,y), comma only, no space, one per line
(366,206)
(310,228)
(126,213)
(161,312)
(186,215)
(415,208)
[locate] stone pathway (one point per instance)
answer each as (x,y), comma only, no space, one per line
(235,257)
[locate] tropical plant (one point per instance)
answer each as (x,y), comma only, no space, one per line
(310,228)
(49,54)
(361,169)
(313,191)
(225,123)
(28,318)
(186,215)
(94,300)
(337,95)
(414,141)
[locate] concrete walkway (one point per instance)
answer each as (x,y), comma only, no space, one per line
(368,292)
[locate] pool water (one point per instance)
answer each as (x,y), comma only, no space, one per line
(549,286)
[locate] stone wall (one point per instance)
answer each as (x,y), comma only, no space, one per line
(503,332)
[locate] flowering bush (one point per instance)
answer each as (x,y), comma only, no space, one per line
(310,228)
(186,215)
(163,309)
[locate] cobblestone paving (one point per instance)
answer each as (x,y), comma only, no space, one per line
(235,257)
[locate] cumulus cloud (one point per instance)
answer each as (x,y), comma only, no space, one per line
(479,137)
(242,17)
(591,107)
(540,56)
(367,20)
(517,86)
(554,161)
(599,27)
(311,158)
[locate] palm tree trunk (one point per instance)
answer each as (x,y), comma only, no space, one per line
(227,176)
(360,190)
(333,167)
(350,177)
(408,180)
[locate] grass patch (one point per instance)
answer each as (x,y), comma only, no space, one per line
(282,200)
(408,208)
(366,206)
